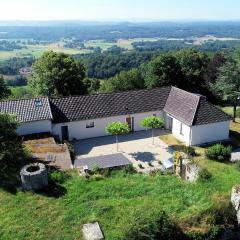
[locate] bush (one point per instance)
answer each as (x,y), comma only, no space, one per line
(190,151)
(204,175)
(97,177)
(144,227)
(71,150)
(129,169)
(219,152)
(58,176)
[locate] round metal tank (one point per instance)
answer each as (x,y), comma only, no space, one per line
(34,176)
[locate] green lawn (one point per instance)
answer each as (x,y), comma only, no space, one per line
(114,202)
(117,201)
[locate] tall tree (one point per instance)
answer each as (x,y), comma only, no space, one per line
(4,91)
(193,64)
(57,74)
(228,82)
(162,71)
(126,80)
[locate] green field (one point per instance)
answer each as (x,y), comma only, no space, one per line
(37,50)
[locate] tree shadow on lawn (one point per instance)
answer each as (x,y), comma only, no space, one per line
(144,156)
(55,180)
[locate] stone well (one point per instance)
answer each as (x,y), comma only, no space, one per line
(34,176)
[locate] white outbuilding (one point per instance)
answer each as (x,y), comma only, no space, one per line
(190,117)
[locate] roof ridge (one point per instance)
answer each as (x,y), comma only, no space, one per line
(110,93)
(23,99)
(189,93)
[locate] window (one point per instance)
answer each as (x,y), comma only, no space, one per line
(181,128)
(90,125)
(38,103)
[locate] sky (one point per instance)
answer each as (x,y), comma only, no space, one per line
(120,10)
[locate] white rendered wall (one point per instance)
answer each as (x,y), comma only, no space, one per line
(210,133)
(34,127)
(78,130)
(186,131)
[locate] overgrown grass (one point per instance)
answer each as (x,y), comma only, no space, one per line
(110,201)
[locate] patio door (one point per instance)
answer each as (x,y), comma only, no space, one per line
(130,122)
(65,135)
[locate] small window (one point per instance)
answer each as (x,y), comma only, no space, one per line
(38,103)
(90,125)
(181,128)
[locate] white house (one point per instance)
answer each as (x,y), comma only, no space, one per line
(190,117)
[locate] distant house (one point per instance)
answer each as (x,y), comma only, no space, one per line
(190,117)
(25,71)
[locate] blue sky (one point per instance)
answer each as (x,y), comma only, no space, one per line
(137,10)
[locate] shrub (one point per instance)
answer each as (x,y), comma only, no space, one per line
(144,227)
(204,175)
(219,152)
(71,150)
(129,169)
(97,177)
(190,151)
(58,176)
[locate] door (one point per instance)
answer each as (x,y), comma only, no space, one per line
(65,135)
(170,124)
(130,122)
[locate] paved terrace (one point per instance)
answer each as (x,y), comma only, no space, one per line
(137,147)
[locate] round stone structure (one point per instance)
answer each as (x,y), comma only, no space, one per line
(34,176)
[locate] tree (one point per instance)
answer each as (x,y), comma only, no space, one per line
(92,84)
(152,122)
(57,74)
(4,91)
(228,82)
(193,64)
(117,128)
(126,80)
(10,146)
(162,71)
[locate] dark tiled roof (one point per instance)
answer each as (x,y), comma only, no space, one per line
(103,162)
(108,104)
(26,110)
(187,107)
(208,113)
(182,105)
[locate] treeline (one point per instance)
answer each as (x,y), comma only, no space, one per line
(188,69)
(115,31)
(108,64)
(13,65)
(9,45)
(173,45)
